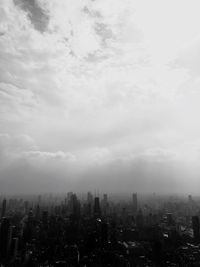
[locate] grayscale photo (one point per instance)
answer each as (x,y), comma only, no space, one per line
(99,133)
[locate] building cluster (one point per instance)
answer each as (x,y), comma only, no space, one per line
(87,230)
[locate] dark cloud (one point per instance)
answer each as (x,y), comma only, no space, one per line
(36,14)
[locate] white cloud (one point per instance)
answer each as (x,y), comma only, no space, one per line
(91,85)
(189,56)
(47,157)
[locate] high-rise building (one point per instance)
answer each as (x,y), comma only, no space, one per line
(189,198)
(105,198)
(134,203)
(170,220)
(139,219)
(97,209)
(3,210)
(195,227)
(39,199)
(37,212)
(4,236)
(89,198)
(45,217)
(26,206)
(69,194)
(105,204)
(74,206)
(9,240)
(104,234)
(14,247)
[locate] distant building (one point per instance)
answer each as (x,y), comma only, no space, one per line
(14,247)
(45,218)
(170,220)
(74,206)
(104,234)
(105,204)
(69,194)
(195,227)
(3,210)
(134,203)
(39,199)
(189,197)
(140,219)
(5,236)
(105,198)
(97,209)
(89,198)
(37,212)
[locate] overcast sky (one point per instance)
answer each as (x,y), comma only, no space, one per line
(100,94)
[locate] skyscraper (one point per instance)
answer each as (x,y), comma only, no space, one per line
(97,210)
(5,235)
(3,210)
(139,219)
(105,204)
(89,198)
(74,206)
(134,203)
(104,234)
(14,247)
(195,227)
(189,198)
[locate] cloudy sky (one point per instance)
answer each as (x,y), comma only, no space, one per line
(100,94)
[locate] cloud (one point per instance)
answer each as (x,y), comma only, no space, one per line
(26,168)
(84,87)
(189,57)
(35,13)
(58,160)
(24,147)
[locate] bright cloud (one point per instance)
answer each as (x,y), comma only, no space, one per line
(88,85)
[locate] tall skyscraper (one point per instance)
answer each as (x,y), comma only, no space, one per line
(134,203)
(4,236)
(74,206)
(97,209)
(37,212)
(170,220)
(189,198)
(45,217)
(89,198)
(105,204)
(195,227)
(105,198)
(104,234)
(39,199)
(14,247)
(139,219)
(3,210)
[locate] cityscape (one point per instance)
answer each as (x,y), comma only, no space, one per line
(99,133)
(92,229)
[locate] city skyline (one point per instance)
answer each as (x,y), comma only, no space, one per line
(100,94)
(85,231)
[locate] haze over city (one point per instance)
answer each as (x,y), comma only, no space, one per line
(99,95)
